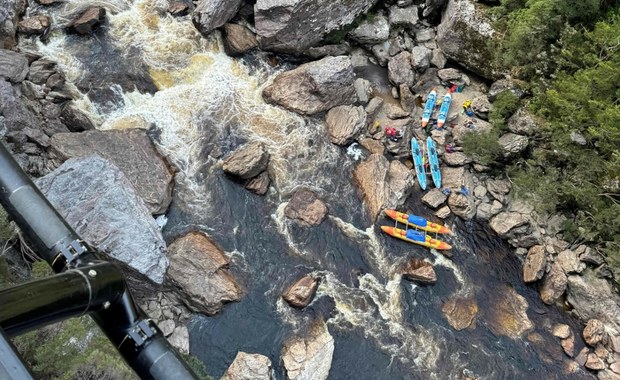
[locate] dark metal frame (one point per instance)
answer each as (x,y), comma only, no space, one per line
(84,284)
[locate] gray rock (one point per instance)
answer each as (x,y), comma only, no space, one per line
(96,199)
(309,357)
(373,107)
(325,50)
(249,367)
(400,70)
(481,107)
(363,89)
(238,39)
(180,7)
(301,293)
(589,255)
(578,138)
(443,212)
(514,86)
(306,208)
(426,34)
(498,188)
(167,327)
(496,207)
(13,66)
(198,271)
(464,35)
(381,52)
(554,284)
(434,198)
(344,123)
(407,99)
(593,297)
(438,59)
(456,159)
(88,21)
(594,332)
(293,26)
(480,191)
(259,185)
(247,161)
(419,271)
(523,122)
(561,330)
(180,339)
(433,7)
(453,76)
(211,14)
(75,119)
(462,206)
(132,152)
(504,222)
(483,211)
(406,16)
(535,264)
(41,70)
(460,130)
(420,58)
(569,261)
(36,24)
(512,144)
(314,87)
(371,31)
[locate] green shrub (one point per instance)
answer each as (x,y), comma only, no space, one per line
(6,230)
(504,106)
(483,147)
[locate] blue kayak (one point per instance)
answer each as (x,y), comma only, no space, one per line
(431,99)
(443,111)
(417,162)
(433,161)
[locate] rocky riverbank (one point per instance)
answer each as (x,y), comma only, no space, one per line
(363,66)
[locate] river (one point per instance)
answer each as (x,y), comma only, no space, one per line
(147,69)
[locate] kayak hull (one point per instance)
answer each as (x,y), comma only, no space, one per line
(417,222)
(443,111)
(433,161)
(425,241)
(416,152)
(431,99)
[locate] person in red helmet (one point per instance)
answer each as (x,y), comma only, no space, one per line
(392,134)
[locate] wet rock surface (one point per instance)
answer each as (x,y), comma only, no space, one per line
(247,161)
(306,208)
(249,367)
(460,312)
(88,21)
(301,293)
(419,271)
(211,14)
(344,123)
(238,39)
(309,357)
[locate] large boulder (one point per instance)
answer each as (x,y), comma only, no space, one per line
(434,198)
(292,26)
(515,86)
(99,202)
(593,297)
(344,123)
(13,66)
(247,161)
(301,293)
(238,39)
(456,159)
(594,332)
(504,222)
(249,367)
(404,16)
(569,261)
(400,70)
(306,208)
(383,184)
(419,271)
(523,122)
(36,24)
(211,14)
(131,151)
(460,312)
(314,87)
(464,35)
(420,58)
(512,144)
(10,10)
(87,21)
(462,206)
(309,357)
(535,264)
(198,269)
(554,284)
(460,130)
(371,31)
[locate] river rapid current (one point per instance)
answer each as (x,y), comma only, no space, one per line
(146,69)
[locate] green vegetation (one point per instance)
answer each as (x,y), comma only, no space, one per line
(6,231)
(569,51)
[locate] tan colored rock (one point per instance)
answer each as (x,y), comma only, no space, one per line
(504,222)
(601,351)
(535,264)
(247,161)
(570,262)
(607,375)
(260,184)
(306,208)
(249,367)
(615,367)
(87,21)
(594,332)
(594,362)
(180,339)
(238,39)
(460,312)
(582,357)
(568,345)
(198,268)
(561,330)
(443,212)
(434,198)
(593,297)
(344,123)
(462,206)
(418,270)
(36,24)
(310,357)
(509,315)
(554,284)
(456,159)
(301,293)
(372,145)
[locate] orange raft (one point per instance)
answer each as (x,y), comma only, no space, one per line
(416,237)
(417,222)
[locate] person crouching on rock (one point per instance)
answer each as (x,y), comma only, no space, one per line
(393,134)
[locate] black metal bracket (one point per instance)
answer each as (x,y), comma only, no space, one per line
(140,334)
(66,254)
